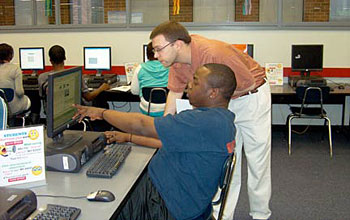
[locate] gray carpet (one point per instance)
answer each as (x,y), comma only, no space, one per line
(308,184)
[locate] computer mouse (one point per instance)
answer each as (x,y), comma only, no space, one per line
(341,87)
(101,196)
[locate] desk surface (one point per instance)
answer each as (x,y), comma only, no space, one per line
(286,89)
(78,184)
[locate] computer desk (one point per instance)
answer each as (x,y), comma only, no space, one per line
(285,94)
(78,184)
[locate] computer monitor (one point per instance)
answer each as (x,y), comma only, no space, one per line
(307,58)
(64,90)
(145,59)
(245,48)
(97,58)
(32,59)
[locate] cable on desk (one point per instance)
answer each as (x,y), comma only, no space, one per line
(67,197)
(121,106)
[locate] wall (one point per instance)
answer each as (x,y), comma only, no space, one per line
(269,46)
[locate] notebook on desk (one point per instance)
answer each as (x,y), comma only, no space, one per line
(121,88)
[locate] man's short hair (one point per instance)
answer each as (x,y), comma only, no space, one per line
(172,31)
(6,52)
(150,53)
(222,77)
(57,54)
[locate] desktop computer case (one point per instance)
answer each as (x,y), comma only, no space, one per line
(16,204)
(73,158)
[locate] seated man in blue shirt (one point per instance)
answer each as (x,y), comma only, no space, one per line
(182,177)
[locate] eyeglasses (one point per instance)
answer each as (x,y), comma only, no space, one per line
(162,48)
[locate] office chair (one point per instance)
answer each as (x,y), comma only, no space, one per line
(310,95)
(3,114)
(8,94)
(155,95)
(224,183)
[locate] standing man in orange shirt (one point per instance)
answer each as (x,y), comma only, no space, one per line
(251,102)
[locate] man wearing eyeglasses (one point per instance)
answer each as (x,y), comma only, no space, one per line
(251,102)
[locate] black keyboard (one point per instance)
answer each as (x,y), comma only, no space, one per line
(95,81)
(108,163)
(53,212)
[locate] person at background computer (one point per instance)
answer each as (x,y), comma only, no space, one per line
(57,56)
(149,74)
(175,48)
(182,177)
(11,77)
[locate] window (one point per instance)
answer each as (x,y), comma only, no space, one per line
(316,11)
(340,10)
(279,14)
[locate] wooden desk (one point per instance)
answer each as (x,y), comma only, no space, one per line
(78,184)
(286,95)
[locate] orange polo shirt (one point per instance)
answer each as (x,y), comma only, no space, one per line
(248,72)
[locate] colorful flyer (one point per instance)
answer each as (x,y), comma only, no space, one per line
(22,156)
(274,73)
(129,70)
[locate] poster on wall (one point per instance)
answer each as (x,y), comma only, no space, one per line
(274,73)
(22,158)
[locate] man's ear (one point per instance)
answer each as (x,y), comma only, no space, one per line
(214,93)
(179,44)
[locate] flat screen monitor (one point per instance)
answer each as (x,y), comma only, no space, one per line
(245,48)
(145,59)
(307,58)
(97,58)
(32,58)
(64,90)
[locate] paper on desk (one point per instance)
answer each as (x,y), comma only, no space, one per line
(121,88)
(182,104)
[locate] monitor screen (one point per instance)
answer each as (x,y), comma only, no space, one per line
(306,58)
(245,48)
(97,58)
(31,58)
(145,59)
(64,90)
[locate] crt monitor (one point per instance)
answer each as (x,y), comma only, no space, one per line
(32,58)
(307,58)
(64,90)
(97,58)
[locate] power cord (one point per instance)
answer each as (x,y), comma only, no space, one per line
(122,106)
(301,132)
(67,197)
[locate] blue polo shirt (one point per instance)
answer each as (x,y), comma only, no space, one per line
(186,170)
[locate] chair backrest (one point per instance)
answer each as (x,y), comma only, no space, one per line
(3,114)
(312,95)
(156,95)
(7,94)
(224,183)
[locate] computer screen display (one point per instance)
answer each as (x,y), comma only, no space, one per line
(307,58)
(64,90)
(32,58)
(245,48)
(145,59)
(97,58)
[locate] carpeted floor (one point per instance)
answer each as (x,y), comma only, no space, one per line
(308,185)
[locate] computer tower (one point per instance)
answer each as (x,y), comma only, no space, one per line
(16,204)
(71,159)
